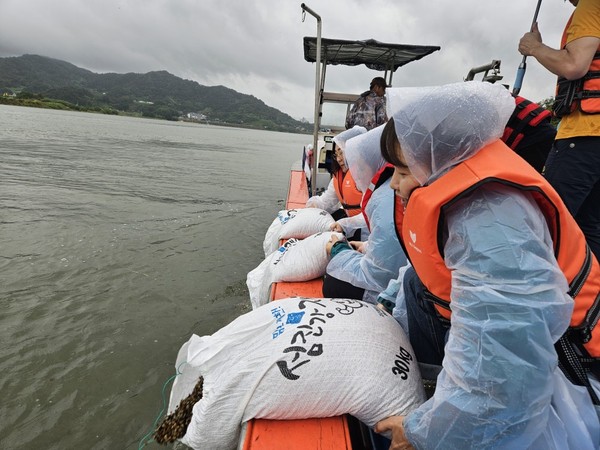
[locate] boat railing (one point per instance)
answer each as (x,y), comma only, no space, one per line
(335,97)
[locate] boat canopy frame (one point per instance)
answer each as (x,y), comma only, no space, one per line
(375,55)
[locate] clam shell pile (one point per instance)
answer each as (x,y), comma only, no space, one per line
(174,425)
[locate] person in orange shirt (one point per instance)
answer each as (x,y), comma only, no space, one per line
(573,166)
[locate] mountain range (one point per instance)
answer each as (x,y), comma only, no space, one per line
(154,94)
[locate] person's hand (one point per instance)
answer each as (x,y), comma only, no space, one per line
(358,246)
(530,41)
(332,240)
(385,305)
(395,424)
(381,307)
(336,227)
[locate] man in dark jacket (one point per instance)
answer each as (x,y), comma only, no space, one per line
(369,110)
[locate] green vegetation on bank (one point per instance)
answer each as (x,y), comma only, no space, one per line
(37,81)
(39,101)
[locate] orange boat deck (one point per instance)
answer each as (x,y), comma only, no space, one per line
(330,433)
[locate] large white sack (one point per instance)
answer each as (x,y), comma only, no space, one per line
(297,358)
(295,260)
(295,223)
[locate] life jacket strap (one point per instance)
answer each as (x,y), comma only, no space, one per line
(576,365)
(571,93)
(588,94)
(583,332)
(438,303)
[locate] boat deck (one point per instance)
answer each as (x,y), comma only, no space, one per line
(327,433)
(330,433)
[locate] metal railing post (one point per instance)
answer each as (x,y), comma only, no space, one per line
(317,99)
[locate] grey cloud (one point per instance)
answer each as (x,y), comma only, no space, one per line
(255,46)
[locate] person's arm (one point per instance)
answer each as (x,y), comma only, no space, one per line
(384,256)
(327,200)
(350,224)
(336,245)
(380,112)
(392,298)
(509,306)
(359,246)
(351,117)
(386,299)
(572,62)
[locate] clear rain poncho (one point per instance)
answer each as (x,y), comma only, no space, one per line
(383,256)
(500,386)
(329,201)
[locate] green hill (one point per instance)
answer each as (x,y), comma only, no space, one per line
(153,94)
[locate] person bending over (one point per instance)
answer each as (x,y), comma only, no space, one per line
(362,269)
(502,288)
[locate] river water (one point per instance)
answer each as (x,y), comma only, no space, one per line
(119,238)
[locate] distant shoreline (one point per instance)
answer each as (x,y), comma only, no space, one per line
(47,103)
(61,105)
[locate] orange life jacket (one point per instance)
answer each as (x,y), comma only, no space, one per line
(420,228)
(347,192)
(527,114)
(583,93)
(378,179)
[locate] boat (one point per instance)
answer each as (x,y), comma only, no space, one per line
(310,176)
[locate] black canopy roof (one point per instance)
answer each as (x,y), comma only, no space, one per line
(373,54)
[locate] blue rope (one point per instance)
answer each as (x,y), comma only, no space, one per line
(143,440)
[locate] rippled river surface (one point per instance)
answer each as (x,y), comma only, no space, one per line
(119,238)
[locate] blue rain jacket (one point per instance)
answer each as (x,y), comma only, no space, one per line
(384,256)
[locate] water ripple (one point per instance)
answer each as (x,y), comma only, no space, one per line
(119,237)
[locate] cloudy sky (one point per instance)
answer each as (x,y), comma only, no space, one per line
(255,46)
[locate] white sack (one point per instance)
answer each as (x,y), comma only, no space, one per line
(295,260)
(295,223)
(293,359)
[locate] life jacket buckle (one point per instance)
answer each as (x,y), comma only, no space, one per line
(583,334)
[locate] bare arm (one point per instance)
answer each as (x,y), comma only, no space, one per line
(572,62)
